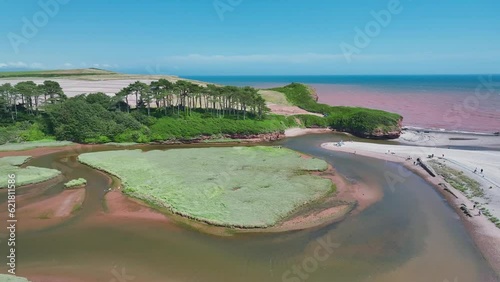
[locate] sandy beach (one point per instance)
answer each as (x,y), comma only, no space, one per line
(485,233)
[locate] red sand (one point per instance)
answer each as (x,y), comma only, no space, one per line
(46,212)
(36,152)
(120,206)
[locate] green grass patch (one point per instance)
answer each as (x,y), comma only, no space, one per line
(75,183)
(76,208)
(55,73)
(275,97)
(237,186)
(24,176)
(33,145)
(12,278)
(470,187)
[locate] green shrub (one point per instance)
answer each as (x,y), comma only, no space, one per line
(312,121)
(75,183)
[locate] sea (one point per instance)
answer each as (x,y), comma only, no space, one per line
(457,103)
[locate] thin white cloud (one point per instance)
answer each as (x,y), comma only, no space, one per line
(315,58)
(36,66)
(17,64)
(21,65)
(68,65)
(255,58)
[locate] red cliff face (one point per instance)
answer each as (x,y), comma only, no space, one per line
(313,94)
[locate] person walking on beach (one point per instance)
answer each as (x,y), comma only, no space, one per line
(475,170)
(481,171)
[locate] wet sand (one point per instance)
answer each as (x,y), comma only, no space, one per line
(122,207)
(485,234)
(422,137)
(47,212)
(348,198)
(42,151)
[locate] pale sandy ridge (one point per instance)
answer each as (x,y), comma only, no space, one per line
(432,139)
(297,131)
(485,233)
(108,85)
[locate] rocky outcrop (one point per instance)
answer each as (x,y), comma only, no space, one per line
(313,93)
(247,138)
(380,133)
(261,137)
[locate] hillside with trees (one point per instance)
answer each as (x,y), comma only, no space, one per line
(362,122)
(163,111)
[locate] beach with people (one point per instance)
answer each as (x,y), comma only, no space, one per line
(468,179)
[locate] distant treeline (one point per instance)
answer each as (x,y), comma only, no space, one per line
(164,111)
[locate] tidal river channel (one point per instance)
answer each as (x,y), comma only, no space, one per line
(410,235)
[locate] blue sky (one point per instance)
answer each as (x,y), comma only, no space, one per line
(234,37)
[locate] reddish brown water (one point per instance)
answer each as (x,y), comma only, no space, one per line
(434,109)
(410,235)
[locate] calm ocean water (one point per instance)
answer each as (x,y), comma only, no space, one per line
(443,102)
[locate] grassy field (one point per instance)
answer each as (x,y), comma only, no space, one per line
(239,186)
(55,73)
(33,145)
(75,183)
(90,74)
(275,97)
(24,176)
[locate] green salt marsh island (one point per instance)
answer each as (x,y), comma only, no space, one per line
(32,145)
(24,175)
(74,183)
(12,278)
(247,187)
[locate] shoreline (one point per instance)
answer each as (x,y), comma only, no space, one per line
(483,232)
(446,131)
(468,140)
